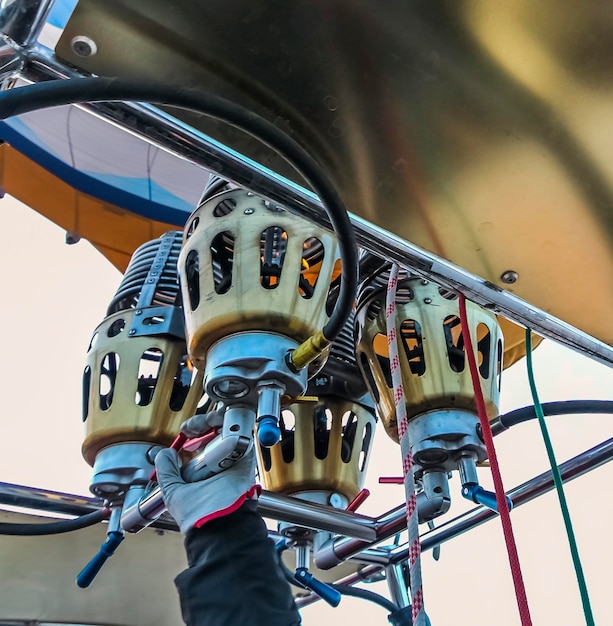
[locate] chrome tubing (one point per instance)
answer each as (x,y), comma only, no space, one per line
(161,129)
(341,549)
(23,21)
(531,489)
(272,505)
(47,501)
(311,515)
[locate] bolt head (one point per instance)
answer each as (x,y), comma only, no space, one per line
(83,46)
(509,277)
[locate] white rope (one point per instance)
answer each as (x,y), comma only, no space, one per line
(417,606)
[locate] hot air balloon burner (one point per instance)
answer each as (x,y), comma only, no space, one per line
(441,410)
(326,439)
(257,282)
(138,384)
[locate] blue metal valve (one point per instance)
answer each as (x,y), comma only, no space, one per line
(479,495)
(269,432)
(324,591)
(107,549)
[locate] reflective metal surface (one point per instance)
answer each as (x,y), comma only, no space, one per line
(476,130)
(394,521)
(148,122)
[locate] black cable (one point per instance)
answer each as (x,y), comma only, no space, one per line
(564,407)
(72,91)
(364,594)
(54,528)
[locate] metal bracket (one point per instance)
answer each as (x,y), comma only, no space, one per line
(158,320)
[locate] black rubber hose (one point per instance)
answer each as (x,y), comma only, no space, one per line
(365,594)
(78,90)
(55,528)
(564,407)
(346,590)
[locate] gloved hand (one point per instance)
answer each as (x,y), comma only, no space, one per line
(202,423)
(194,504)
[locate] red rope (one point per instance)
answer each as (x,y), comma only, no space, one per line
(505,517)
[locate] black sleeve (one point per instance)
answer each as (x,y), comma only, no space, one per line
(233,576)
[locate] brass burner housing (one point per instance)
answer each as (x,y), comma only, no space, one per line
(332,458)
(247,264)
(121,403)
(433,362)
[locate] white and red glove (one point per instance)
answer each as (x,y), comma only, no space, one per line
(194,504)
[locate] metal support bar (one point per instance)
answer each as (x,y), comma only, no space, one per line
(307,514)
(22,21)
(342,549)
(537,486)
(275,506)
(162,129)
(47,501)
(397,585)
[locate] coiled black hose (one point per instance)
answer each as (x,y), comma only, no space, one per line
(55,528)
(72,91)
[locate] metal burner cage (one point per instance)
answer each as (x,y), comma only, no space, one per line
(250,265)
(138,384)
(433,361)
(325,443)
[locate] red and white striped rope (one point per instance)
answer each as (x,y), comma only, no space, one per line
(417,594)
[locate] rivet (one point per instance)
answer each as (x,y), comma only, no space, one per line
(427,300)
(509,277)
(132,332)
(424,282)
(138,312)
(248,211)
(83,46)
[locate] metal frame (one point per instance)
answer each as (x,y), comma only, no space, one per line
(21,57)
(38,64)
(351,542)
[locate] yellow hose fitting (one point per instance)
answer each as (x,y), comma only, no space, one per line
(308,351)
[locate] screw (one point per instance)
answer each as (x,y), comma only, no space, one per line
(72,237)
(83,46)
(248,211)
(509,277)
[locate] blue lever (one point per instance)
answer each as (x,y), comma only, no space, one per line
(479,495)
(269,432)
(324,591)
(107,549)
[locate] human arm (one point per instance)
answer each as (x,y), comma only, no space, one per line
(233,577)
